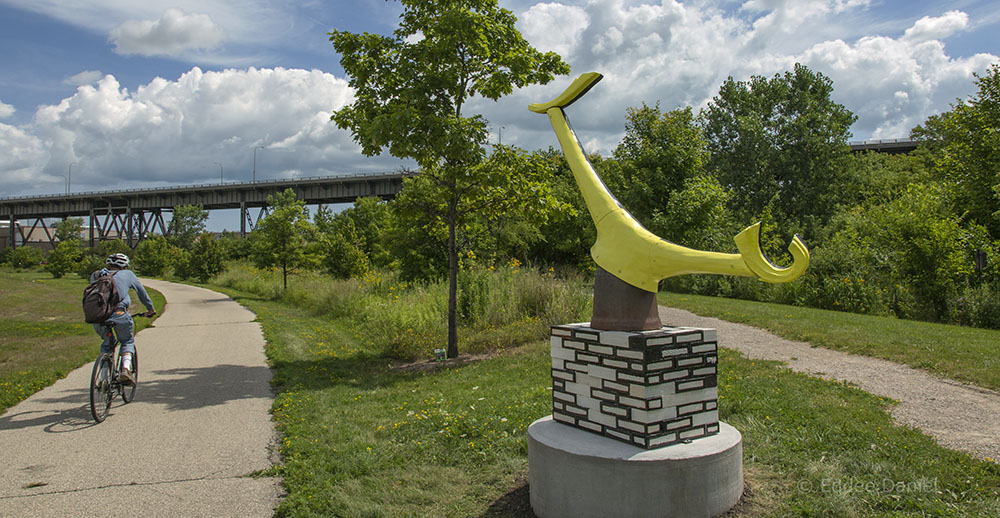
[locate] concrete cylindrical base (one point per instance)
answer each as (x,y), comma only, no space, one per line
(574,473)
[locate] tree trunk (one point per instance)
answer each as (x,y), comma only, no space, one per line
(452,280)
(284,276)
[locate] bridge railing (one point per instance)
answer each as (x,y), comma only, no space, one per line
(227,185)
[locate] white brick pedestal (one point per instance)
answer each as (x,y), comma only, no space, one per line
(646,388)
(634,429)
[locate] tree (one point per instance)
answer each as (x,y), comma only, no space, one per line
(186,225)
(410,90)
(154,255)
(24,256)
(234,247)
(64,258)
(780,142)
(965,149)
(281,238)
(660,177)
(69,228)
(206,259)
(342,254)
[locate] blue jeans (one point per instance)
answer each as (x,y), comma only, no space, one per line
(123,328)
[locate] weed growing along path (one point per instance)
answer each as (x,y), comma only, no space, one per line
(962,417)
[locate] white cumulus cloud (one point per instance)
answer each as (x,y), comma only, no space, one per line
(175,32)
(680,53)
(6,110)
(20,156)
(86,77)
(937,28)
(169,132)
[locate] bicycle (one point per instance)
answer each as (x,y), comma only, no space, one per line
(105,379)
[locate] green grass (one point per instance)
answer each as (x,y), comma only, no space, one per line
(42,333)
(361,438)
(962,353)
(497,308)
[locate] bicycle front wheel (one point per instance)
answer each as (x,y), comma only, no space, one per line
(100,388)
(128,391)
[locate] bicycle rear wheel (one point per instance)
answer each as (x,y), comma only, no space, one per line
(100,388)
(128,391)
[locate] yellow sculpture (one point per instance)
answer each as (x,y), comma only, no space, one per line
(635,255)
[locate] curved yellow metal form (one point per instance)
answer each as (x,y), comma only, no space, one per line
(635,255)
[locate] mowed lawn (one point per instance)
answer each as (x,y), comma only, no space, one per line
(42,333)
(960,353)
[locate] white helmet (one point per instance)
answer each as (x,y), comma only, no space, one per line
(119,261)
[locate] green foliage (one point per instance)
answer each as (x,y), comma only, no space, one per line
(567,235)
(410,90)
(94,259)
(394,318)
(187,223)
(341,247)
(154,255)
(911,252)
(207,258)
(781,142)
(411,87)
(371,218)
(64,258)
(659,153)
(977,306)
(235,247)
(282,236)
(69,228)
(24,257)
(964,145)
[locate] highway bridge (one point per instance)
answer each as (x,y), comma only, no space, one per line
(891,146)
(132,214)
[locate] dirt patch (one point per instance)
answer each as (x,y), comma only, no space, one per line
(462,359)
(515,504)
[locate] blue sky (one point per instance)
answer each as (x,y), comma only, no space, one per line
(141,94)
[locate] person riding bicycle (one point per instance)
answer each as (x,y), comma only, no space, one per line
(121,320)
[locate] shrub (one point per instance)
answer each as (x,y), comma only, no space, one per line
(25,257)
(394,318)
(341,257)
(206,258)
(977,307)
(234,247)
(154,256)
(64,258)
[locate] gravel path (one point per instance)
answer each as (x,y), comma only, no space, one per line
(958,416)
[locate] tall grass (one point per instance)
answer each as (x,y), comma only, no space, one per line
(497,307)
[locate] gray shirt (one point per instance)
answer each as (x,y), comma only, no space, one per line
(124,281)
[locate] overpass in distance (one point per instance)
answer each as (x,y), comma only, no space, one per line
(134,213)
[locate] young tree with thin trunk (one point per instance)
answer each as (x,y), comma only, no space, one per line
(281,238)
(410,92)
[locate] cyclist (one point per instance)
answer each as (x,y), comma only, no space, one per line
(124,281)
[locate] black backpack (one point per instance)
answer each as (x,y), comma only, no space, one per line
(100,299)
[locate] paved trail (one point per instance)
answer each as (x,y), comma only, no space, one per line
(199,424)
(958,416)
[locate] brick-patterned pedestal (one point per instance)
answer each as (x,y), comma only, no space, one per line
(646,388)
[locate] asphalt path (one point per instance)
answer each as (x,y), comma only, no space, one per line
(199,426)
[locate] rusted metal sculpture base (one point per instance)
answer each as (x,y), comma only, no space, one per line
(619,306)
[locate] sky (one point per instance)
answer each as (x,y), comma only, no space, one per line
(113,94)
